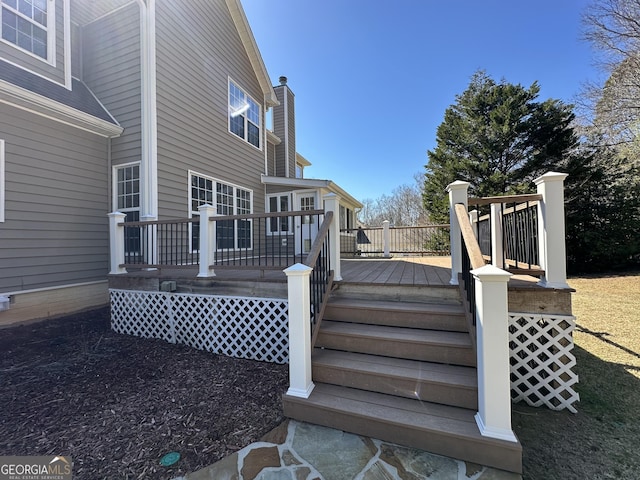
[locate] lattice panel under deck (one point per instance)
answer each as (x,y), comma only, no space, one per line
(143,314)
(542,361)
(242,327)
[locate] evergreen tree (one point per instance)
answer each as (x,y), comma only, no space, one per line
(498,137)
(602,210)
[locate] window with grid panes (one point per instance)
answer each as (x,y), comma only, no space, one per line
(244,115)
(229,200)
(279,203)
(25,23)
(128,202)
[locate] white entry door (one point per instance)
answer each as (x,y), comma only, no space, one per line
(306,226)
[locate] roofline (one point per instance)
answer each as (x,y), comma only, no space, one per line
(302,161)
(251,47)
(40,105)
(273,138)
(311,183)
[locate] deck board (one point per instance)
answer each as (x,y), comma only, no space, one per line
(396,271)
(423,271)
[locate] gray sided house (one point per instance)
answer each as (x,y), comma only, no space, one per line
(147,107)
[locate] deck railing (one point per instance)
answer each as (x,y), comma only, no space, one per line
(319,259)
(252,241)
(516,230)
(388,240)
(308,287)
(524,234)
(472,258)
(508,232)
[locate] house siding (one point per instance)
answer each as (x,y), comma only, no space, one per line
(286,132)
(271,159)
(56,73)
(198,50)
(111,69)
(291,127)
(56,230)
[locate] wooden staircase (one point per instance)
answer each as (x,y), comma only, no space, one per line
(402,372)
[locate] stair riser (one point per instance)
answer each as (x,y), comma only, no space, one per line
(421,294)
(452,355)
(434,441)
(446,394)
(430,321)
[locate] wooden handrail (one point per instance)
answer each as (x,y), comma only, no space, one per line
(317,244)
(408,227)
(218,218)
(510,210)
(505,199)
(159,222)
(251,216)
(473,249)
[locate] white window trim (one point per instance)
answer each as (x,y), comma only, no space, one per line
(114,185)
(51,35)
(268,205)
(245,139)
(216,181)
(2,181)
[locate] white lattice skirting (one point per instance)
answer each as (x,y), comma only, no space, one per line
(542,361)
(241,327)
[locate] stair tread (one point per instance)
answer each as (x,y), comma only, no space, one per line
(421,371)
(400,334)
(447,420)
(441,308)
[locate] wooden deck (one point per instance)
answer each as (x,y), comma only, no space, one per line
(422,271)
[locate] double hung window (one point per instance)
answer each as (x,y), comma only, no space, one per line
(127,186)
(28,24)
(244,115)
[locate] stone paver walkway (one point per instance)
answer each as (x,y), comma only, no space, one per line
(301,451)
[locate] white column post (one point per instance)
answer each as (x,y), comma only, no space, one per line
(551,230)
(497,242)
(386,239)
(207,241)
(492,334)
(457,194)
(300,381)
(332,204)
(473,220)
(116,243)
(149,232)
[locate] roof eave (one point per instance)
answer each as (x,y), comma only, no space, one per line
(27,100)
(251,47)
(312,183)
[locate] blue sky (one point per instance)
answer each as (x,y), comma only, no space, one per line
(372,79)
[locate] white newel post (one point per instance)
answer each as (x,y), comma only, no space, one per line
(457,194)
(551,230)
(116,242)
(300,382)
(473,220)
(492,333)
(332,204)
(497,242)
(150,232)
(386,239)
(207,241)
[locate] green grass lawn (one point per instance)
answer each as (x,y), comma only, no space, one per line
(601,441)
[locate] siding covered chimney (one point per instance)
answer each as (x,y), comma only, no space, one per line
(285,128)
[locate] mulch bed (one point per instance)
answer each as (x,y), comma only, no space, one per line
(116,403)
